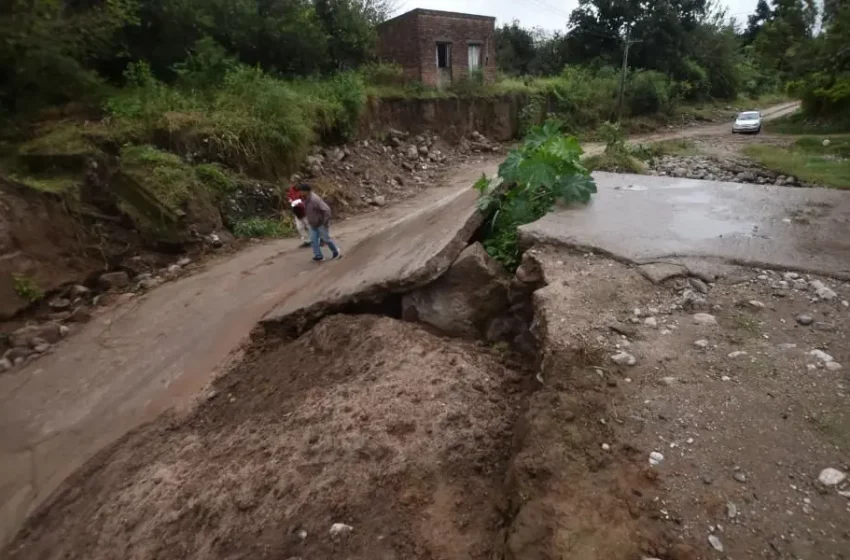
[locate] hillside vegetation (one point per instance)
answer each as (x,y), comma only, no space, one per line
(193,95)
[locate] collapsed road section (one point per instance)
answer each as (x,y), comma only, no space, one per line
(584,407)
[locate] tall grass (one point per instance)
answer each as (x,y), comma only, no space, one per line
(247,119)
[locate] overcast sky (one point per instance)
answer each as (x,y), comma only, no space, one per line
(548,14)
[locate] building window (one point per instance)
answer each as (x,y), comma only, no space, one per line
(474,57)
(444,55)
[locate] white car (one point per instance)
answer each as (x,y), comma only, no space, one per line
(748,121)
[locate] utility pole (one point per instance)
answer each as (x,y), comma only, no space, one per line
(629,43)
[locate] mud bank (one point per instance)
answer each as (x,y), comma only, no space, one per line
(366,436)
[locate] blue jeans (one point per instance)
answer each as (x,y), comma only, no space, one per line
(321,232)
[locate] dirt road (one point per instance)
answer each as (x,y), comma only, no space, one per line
(768,114)
(156,352)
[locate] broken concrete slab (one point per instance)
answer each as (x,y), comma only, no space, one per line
(661,272)
(642,219)
(408,254)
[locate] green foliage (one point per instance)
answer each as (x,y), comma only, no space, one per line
(214,177)
(383,74)
(261,227)
(809,160)
(544,169)
(248,119)
(648,92)
(48,51)
(27,289)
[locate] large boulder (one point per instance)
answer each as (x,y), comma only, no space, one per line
(463,300)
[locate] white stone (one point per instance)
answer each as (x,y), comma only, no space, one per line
(606,447)
(623,359)
(737,353)
(731,510)
(651,322)
(821,356)
(725,378)
(831,477)
(701,344)
(704,319)
(715,543)
(822,290)
(655,458)
(755,304)
(832,366)
(340,529)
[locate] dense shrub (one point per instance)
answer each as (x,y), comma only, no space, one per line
(648,92)
(248,119)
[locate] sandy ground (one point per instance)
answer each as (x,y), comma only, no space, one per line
(744,416)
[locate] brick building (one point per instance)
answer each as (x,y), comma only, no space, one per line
(438,48)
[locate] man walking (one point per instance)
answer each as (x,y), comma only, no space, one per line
(319,218)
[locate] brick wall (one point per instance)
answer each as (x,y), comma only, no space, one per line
(397,43)
(460,30)
(411,40)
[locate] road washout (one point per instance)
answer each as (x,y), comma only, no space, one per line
(366,436)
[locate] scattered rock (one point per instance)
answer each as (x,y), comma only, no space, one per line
(5,365)
(78,291)
(832,366)
(655,458)
(659,272)
(184,261)
(651,322)
(704,319)
(15,354)
(831,477)
(41,348)
(821,356)
(691,300)
(822,290)
(804,319)
(702,344)
(412,153)
(668,381)
(755,304)
(529,271)
(623,329)
(340,530)
(824,326)
(59,304)
(50,332)
(740,476)
(715,543)
(623,359)
(736,354)
(113,280)
(379,201)
(606,447)
(698,285)
(731,510)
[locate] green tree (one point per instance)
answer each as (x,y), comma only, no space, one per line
(515,49)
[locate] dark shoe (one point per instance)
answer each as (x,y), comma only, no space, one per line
(318,259)
(336,257)
(305,244)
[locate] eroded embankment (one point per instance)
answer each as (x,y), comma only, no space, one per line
(368,436)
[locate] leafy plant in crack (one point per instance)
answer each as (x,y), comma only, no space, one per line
(544,169)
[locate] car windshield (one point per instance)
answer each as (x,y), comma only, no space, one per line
(748,116)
